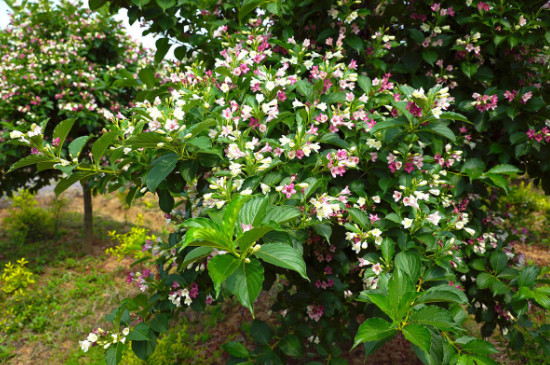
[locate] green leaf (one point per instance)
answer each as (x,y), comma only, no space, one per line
(442,293)
(188,170)
(75,147)
(141,3)
(418,335)
(248,238)
(143,349)
(253,211)
(305,88)
(113,355)
(483,280)
(386,124)
(231,214)
(220,267)
(161,168)
(248,6)
(381,301)
(504,169)
(355,42)
(145,140)
(473,168)
(324,230)
(430,57)
(31,160)
(96,4)
(163,46)
(260,332)
(334,139)
(140,332)
(479,347)
(165,4)
(364,83)
(498,261)
(147,75)
(433,316)
(359,217)
(166,200)
(62,130)
(440,129)
(196,254)
(469,69)
(388,249)
(282,255)
(67,182)
(281,214)
(453,116)
(246,282)
(373,329)
(528,276)
(101,144)
(290,345)
(236,349)
(541,295)
(206,237)
(409,262)
(159,323)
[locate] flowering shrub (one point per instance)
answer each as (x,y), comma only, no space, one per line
(312,179)
(285,160)
(59,61)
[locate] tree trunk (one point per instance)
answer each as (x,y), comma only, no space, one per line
(87,240)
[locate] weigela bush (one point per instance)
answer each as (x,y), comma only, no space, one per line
(59,61)
(286,162)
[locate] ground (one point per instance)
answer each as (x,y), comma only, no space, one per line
(73,292)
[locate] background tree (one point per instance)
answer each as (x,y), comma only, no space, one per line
(57,62)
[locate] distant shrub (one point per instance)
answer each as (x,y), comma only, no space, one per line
(27,222)
(133,243)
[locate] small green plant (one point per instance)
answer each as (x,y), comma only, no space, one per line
(132,242)
(16,278)
(27,222)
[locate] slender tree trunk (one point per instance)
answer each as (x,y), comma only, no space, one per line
(87,240)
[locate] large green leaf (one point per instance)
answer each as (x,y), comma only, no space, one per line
(145,140)
(434,316)
(161,168)
(101,144)
(231,214)
(442,293)
(76,145)
(219,269)
(282,255)
(373,329)
(206,237)
(62,130)
(409,263)
(249,237)
(418,335)
(281,214)
(246,282)
(196,254)
(253,211)
(30,160)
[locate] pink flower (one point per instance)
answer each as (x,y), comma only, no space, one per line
(289,190)
(373,218)
(377,268)
(246,227)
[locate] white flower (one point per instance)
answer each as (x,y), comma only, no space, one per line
(126,331)
(16,134)
(376,199)
(459,225)
(84,345)
(246,191)
(434,218)
(92,337)
(407,222)
(470,231)
(265,188)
